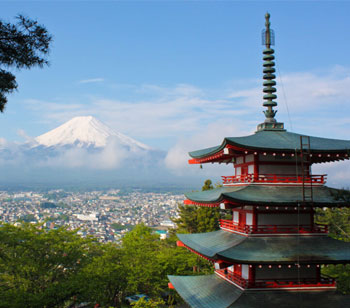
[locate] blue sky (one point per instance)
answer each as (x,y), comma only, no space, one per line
(178,75)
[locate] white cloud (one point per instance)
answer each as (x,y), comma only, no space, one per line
(109,157)
(23,134)
(193,117)
(338,173)
(213,135)
(184,110)
(92,80)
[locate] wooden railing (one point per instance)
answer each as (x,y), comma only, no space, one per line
(274,178)
(244,283)
(277,283)
(270,229)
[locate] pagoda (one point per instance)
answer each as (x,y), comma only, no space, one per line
(271,252)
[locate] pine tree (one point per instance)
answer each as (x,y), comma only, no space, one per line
(22,45)
(193,219)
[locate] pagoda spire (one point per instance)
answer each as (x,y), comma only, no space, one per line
(269,70)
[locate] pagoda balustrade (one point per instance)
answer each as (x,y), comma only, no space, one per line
(274,179)
(270,229)
(276,283)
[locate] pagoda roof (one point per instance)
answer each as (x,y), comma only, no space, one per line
(276,141)
(228,246)
(273,195)
(211,291)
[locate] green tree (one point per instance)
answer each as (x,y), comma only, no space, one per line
(180,261)
(198,219)
(140,253)
(39,267)
(152,303)
(338,221)
(103,280)
(187,220)
(22,45)
(208,185)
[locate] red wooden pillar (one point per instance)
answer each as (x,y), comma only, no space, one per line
(238,270)
(255,219)
(256,167)
(251,275)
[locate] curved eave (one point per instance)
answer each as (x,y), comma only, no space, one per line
(207,291)
(210,291)
(235,248)
(323,196)
(211,243)
(276,142)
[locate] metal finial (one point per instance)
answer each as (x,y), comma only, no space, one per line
(268,35)
(269,70)
(267,32)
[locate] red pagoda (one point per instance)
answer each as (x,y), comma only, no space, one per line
(271,252)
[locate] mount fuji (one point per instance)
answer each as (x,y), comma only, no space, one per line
(85,132)
(79,151)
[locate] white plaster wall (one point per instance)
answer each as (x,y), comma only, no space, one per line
(249,219)
(251,169)
(245,271)
(238,170)
(235,217)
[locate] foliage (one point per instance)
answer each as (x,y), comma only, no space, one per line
(106,277)
(117,226)
(199,219)
(207,185)
(140,251)
(338,221)
(22,45)
(39,267)
(152,303)
(179,261)
(59,268)
(341,273)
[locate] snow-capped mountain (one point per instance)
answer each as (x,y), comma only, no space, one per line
(86,132)
(82,150)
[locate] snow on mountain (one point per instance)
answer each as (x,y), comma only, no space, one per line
(86,132)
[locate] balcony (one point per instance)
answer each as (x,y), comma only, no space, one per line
(274,179)
(277,283)
(229,225)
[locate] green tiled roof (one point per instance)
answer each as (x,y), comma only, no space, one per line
(207,291)
(277,249)
(211,291)
(269,195)
(276,141)
(211,243)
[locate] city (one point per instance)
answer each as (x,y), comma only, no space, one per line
(106,215)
